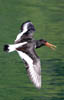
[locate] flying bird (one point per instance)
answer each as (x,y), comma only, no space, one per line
(25,45)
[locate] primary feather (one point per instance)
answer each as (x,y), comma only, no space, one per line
(33,68)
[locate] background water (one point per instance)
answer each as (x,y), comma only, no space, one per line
(48,18)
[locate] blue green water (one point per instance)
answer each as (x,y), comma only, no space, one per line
(48,19)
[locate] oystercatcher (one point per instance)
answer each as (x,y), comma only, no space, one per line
(25,46)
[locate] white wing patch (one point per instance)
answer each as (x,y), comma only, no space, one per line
(34,76)
(26,58)
(25,29)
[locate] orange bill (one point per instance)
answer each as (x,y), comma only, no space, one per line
(50,45)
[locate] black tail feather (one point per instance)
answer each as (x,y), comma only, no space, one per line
(6,47)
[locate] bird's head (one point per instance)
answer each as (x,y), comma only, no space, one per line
(27,26)
(45,43)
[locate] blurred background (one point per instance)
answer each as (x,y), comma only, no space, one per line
(48,19)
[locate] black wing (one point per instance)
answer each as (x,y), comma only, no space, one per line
(32,64)
(27,30)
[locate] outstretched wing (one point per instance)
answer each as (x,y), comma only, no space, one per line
(33,68)
(27,30)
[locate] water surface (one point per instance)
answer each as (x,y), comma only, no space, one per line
(48,18)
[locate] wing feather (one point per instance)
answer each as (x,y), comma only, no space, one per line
(33,70)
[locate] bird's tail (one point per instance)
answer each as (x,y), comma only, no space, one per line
(13,47)
(9,48)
